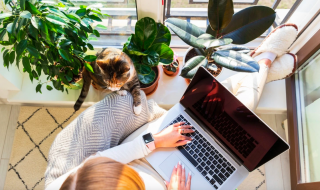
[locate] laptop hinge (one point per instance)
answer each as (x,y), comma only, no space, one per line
(217,140)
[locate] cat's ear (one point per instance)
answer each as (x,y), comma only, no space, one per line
(97,68)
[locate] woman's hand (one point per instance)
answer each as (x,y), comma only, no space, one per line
(178,180)
(172,136)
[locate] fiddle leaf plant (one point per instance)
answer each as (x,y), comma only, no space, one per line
(148,48)
(49,41)
(224,28)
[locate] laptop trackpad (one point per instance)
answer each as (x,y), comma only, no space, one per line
(169,163)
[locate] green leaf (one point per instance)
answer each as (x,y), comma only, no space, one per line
(220,13)
(90,58)
(95,17)
(26,64)
(33,32)
(74,17)
(65,43)
(31,8)
(64,54)
(133,48)
(192,66)
(44,30)
(147,79)
(6,59)
(5,15)
(88,67)
(235,61)
(101,26)
(49,87)
(152,58)
(81,12)
(10,28)
(58,13)
(35,22)
(163,35)
(95,32)
(164,51)
(2,33)
(22,4)
(38,88)
(241,49)
(90,46)
(12,56)
(186,31)
(210,41)
(249,23)
(26,14)
(55,20)
(38,69)
(21,47)
(33,51)
(210,31)
(145,32)
(142,69)
(5,43)
(21,35)
(3,49)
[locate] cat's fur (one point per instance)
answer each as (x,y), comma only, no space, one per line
(113,70)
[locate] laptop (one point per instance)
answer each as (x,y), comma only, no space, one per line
(228,143)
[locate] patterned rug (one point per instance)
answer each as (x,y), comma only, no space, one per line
(36,129)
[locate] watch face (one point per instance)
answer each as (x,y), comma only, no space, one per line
(147,138)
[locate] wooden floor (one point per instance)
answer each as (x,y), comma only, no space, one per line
(277,170)
(8,123)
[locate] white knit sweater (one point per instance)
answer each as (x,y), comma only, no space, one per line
(130,153)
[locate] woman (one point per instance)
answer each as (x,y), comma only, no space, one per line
(120,168)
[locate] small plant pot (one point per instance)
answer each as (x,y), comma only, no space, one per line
(192,53)
(171,73)
(150,88)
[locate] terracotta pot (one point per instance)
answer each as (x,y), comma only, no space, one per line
(171,73)
(153,86)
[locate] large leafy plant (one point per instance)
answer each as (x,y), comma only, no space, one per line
(148,48)
(224,28)
(49,39)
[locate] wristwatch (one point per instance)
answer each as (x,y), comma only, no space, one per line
(149,141)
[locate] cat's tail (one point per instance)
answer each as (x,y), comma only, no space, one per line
(84,91)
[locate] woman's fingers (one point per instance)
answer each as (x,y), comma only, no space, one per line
(188,186)
(178,124)
(183,131)
(167,184)
(174,174)
(181,143)
(179,172)
(183,177)
(182,137)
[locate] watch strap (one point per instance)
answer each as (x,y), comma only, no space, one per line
(151,146)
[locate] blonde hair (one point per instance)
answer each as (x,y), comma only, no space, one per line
(104,173)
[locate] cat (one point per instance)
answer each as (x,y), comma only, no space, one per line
(113,70)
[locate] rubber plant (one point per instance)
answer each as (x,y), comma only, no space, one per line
(49,39)
(149,47)
(224,28)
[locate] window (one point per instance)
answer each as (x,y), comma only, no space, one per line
(308,109)
(195,11)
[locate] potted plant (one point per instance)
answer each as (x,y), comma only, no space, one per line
(224,28)
(173,68)
(50,40)
(148,48)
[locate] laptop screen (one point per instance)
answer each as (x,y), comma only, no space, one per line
(236,127)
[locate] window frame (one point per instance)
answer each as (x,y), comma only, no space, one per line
(306,52)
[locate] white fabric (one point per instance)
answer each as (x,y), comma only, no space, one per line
(248,87)
(281,67)
(278,41)
(266,55)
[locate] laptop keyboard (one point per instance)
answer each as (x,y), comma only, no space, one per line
(240,139)
(208,160)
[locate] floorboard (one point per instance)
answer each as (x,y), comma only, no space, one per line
(3,172)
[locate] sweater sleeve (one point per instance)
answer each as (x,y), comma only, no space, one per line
(127,152)
(123,153)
